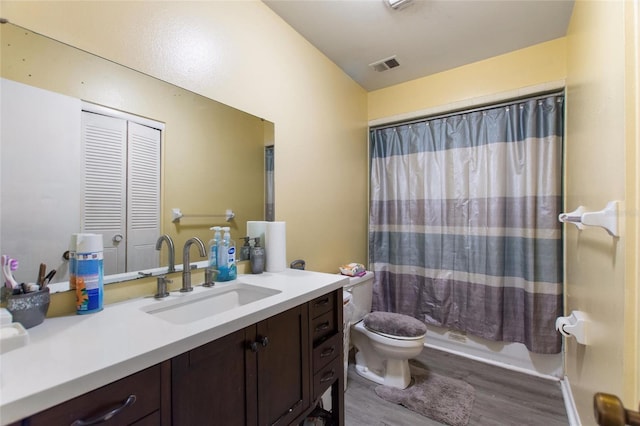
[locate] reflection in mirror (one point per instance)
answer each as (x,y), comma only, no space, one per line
(211,157)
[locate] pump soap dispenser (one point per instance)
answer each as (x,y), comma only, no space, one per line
(257,257)
(227,257)
(245,250)
(213,247)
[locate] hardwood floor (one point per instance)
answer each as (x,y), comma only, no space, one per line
(502,397)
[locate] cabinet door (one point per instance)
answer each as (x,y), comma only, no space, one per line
(283,372)
(209,384)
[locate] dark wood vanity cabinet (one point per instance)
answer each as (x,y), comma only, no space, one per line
(270,373)
(209,383)
(259,375)
(283,367)
(139,399)
(326,331)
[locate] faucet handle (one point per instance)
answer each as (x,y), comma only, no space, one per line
(162,287)
(210,275)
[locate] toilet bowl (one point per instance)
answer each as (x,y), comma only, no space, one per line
(384,341)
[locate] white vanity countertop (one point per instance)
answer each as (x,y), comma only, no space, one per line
(69,356)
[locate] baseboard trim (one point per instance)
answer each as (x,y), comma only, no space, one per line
(569,402)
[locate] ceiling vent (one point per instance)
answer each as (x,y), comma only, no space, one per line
(385,64)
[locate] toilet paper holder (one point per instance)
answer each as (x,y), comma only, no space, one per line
(576,325)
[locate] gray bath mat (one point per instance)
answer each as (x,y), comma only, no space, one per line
(438,397)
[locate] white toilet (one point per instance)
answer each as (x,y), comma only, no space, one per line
(384,341)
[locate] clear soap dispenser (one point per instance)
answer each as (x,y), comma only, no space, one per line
(227,257)
(245,250)
(213,247)
(257,257)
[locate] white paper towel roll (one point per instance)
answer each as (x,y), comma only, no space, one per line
(276,247)
(257,228)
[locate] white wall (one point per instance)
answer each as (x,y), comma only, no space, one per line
(40,139)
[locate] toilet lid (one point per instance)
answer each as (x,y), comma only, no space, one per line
(394,324)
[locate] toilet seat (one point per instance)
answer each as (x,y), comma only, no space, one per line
(394,325)
(396,341)
(391,336)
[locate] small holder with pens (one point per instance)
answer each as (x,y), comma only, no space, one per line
(29,309)
(28,303)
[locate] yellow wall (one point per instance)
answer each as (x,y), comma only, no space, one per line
(241,54)
(592,58)
(601,162)
(536,65)
(632,143)
(250,59)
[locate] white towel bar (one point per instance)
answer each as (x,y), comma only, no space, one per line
(176,215)
(606,218)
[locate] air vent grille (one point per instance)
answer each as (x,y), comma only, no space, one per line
(385,64)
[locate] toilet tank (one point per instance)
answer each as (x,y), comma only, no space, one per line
(361,290)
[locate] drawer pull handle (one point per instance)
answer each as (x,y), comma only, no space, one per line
(327,352)
(327,376)
(264,341)
(322,302)
(322,326)
(131,399)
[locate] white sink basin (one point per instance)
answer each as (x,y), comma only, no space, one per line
(187,308)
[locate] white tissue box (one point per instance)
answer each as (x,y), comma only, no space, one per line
(12,336)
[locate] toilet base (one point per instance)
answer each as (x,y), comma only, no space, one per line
(396,373)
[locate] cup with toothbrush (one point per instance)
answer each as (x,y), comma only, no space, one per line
(27,303)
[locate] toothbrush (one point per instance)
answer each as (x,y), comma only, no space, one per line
(8,276)
(5,262)
(9,265)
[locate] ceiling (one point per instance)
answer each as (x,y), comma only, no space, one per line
(426,36)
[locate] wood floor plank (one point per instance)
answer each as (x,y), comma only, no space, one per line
(502,397)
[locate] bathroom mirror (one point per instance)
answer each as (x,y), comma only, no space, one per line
(211,155)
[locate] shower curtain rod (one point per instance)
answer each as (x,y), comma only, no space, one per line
(484,107)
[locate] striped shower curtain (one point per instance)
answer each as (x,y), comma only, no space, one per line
(463,228)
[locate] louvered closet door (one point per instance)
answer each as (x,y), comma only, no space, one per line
(104,185)
(143,207)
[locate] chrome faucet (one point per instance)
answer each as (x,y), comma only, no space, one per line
(186,267)
(172,251)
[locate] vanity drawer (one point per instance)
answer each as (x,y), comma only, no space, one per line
(327,376)
(323,326)
(153,419)
(322,304)
(326,352)
(145,385)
